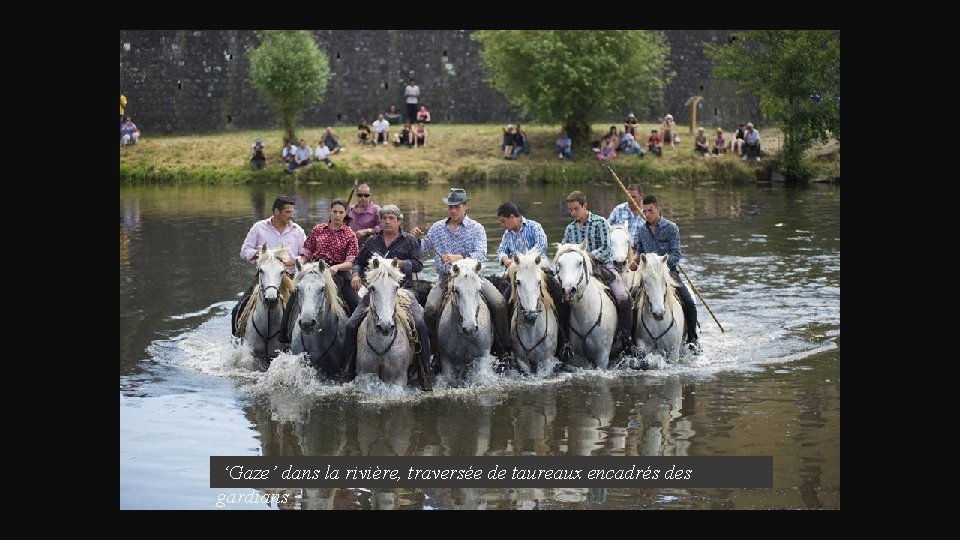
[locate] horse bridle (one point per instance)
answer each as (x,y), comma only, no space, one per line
(673,317)
(393,338)
(580,290)
(476,315)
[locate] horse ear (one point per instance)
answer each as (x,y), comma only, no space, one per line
(663,259)
(375,262)
(479,266)
(516,258)
(583,245)
(264,248)
(322,265)
(456,270)
(396,263)
(299,266)
(536,261)
(643,257)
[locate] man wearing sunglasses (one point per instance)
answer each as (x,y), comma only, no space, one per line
(365,215)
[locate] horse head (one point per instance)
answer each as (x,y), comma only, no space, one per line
(657,282)
(621,247)
(383,282)
(574,267)
(528,283)
(270,273)
(465,288)
(315,290)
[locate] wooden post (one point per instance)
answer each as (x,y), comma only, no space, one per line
(693,102)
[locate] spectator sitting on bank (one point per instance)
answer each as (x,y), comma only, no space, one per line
(614,136)
(565,146)
(323,154)
(654,143)
(331,142)
(508,142)
(363,132)
(719,143)
(382,128)
(738,139)
(608,146)
(522,140)
(423,115)
(700,143)
(405,137)
(129,133)
(392,115)
(286,154)
(421,134)
(631,145)
(258,155)
(301,155)
(751,142)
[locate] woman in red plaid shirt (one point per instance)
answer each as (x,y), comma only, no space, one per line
(335,243)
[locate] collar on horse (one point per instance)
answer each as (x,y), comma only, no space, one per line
(673,321)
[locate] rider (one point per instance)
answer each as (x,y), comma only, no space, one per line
(390,243)
(335,243)
(522,234)
(623,212)
(455,238)
(276,231)
(595,230)
(662,236)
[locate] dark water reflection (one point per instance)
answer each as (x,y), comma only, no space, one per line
(767,257)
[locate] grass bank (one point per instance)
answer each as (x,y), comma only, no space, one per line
(459,154)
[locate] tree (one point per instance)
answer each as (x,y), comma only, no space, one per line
(576,76)
(796,75)
(291,72)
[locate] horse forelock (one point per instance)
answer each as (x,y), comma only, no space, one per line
(384,268)
(660,270)
(466,272)
(626,231)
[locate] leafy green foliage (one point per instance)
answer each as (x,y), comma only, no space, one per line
(291,72)
(576,76)
(796,75)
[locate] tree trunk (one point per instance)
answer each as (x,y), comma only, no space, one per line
(578,130)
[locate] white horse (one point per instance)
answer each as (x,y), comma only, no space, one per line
(621,248)
(465,328)
(262,329)
(534,325)
(384,340)
(593,315)
(317,317)
(660,324)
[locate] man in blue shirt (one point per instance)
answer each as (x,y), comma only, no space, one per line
(595,230)
(623,212)
(455,238)
(662,236)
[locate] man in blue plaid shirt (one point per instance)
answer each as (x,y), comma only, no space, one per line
(623,213)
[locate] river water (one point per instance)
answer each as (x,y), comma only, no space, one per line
(765,257)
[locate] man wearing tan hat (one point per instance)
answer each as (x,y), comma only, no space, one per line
(452,239)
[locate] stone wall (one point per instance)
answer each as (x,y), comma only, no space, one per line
(188,81)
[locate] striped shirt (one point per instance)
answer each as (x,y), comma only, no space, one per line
(530,236)
(666,241)
(468,239)
(597,234)
(622,213)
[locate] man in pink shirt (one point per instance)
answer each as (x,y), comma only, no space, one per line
(275,231)
(365,215)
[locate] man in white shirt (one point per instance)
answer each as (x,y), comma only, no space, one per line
(412,95)
(322,155)
(382,129)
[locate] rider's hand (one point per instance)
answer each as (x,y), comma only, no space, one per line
(355,283)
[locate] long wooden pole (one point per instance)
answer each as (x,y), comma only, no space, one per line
(637,208)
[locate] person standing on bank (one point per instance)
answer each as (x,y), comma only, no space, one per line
(595,231)
(336,244)
(390,242)
(275,231)
(412,96)
(364,216)
(662,236)
(455,238)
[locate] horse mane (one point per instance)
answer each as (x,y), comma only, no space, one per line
(528,258)
(286,289)
(403,315)
(329,287)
